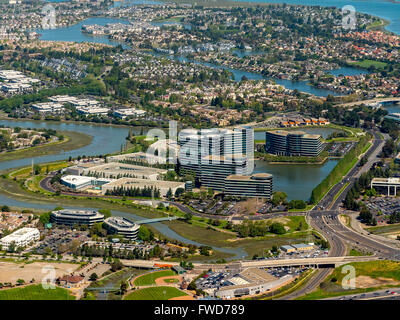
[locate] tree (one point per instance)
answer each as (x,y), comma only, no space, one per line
(169,194)
(277,228)
(93,277)
(36,169)
(278,197)
(123,288)
(145,234)
(116,265)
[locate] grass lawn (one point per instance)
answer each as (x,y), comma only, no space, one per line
(155,293)
(172,280)
(35,292)
(384,229)
(357,253)
(150,278)
(368,63)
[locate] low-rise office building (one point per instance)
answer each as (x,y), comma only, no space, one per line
(48,107)
(122,226)
(117,170)
(258,185)
(251,281)
(72,217)
(20,238)
(386,185)
(130,112)
(293,143)
(288,249)
(302,247)
(132,183)
(76,182)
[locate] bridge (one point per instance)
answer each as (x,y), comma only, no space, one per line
(325,262)
(155,220)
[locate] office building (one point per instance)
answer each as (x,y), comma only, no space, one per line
(386,185)
(293,143)
(258,185)
(72,217)
(251,281)
(135,183)
(214,154)
(122,226)
(20,238)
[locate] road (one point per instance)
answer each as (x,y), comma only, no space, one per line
(391,294)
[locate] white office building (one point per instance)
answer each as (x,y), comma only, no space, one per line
(214,154)
(122,226)
(21,238)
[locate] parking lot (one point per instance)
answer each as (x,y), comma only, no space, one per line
(339,149)
(383,206)
(60,240)
(215,280)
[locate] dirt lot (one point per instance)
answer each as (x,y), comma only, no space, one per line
(161,282)
(11,272)
(363,282)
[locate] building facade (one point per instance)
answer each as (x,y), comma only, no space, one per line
(258,185)
(21,238)
(214,154)
(72,217)
(122,226)
(293,143)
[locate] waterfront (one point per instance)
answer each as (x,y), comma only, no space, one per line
(387,10)
(74,33)
(297,181)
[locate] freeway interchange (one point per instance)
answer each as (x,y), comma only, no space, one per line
(324,217)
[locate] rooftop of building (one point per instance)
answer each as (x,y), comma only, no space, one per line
(285,133)
(140,183)
(120,222)
(386,180)
(255,176)
(82,213)
(74,179)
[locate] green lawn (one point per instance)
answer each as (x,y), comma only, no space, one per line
(384,229)
(155,293)
(35,292)
(150,278)
(368,63)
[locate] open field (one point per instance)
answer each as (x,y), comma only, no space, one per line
(155,293)
(35,292)
(370,276)
(72,140)
(11,272)
(250,245)
(150,278)
(368,63)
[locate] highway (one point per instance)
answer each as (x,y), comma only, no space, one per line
(391,294)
